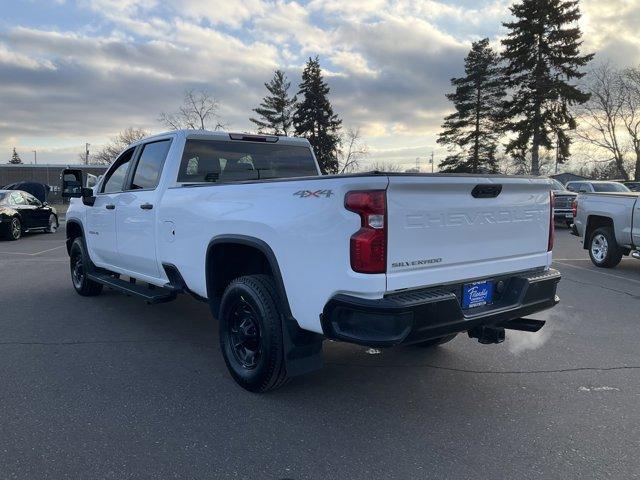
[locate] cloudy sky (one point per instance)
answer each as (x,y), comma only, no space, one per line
(76,71)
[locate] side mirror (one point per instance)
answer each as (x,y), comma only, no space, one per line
(88,198)
(71,183)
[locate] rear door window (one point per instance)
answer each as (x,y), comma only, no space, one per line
(149,166)
(31,200)
(214,161)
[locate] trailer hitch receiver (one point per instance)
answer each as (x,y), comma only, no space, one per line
(487,335)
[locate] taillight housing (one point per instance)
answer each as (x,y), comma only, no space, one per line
(574,208)
(552,227)
(368,246)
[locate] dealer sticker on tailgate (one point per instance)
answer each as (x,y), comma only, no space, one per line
(477,294)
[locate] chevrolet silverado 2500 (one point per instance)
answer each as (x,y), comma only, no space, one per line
(286,257)
(609,223)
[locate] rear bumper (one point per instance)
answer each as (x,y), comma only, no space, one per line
(419,315)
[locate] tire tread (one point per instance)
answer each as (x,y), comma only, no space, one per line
(264,288)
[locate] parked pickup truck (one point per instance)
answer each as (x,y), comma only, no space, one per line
(609,223)
(286,257)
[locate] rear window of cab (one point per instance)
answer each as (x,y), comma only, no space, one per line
(217,161)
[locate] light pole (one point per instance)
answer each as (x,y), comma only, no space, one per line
(431,162)
(35,157)
(86,154)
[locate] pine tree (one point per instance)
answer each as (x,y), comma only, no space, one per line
(276,109)
(15,158)
(314,117)
(471,132)
(542,52)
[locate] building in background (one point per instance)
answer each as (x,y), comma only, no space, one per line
(47,174)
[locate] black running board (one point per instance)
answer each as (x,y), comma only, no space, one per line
(150,294)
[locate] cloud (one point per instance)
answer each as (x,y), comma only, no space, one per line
(611,29)
(14,59)
(388,63)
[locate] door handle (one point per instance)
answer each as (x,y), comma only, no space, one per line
(110,206)
(146,206)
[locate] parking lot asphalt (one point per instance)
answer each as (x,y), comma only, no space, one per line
(109,387)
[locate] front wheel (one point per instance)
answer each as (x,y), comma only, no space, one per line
(15,229)
(251,333)
(79,261)
(603,248)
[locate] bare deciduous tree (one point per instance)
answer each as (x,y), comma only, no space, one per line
(601,117)
(199,111)
(630,82)
(352,151)
(381,166)
(117,144)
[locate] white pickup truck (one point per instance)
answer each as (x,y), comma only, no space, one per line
(286,257)
(609,223)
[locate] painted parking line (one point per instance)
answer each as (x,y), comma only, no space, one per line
(33,254)
(619,277)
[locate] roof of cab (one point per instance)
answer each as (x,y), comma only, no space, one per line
(225,136)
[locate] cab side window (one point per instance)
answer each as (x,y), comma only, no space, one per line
(149,167)
(114,181)
(16,199)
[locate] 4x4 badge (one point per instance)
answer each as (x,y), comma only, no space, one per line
(316,193)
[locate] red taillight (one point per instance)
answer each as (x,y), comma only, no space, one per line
(574,207)
(552,228)
(369,244)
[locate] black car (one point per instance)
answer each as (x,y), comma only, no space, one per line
(22,212)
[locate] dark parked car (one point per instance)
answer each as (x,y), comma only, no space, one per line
(21,212)
(633,186)
(562,208)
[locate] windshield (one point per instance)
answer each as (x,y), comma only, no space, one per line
(227,161)
(609,187)
(3,197)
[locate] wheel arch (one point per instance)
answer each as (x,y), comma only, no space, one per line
(74,230)
(234,255)
(594,222)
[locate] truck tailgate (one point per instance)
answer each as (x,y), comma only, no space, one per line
(441,231)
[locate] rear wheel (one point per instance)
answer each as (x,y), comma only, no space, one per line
(251,333)
(603,248)
(434,342)
(79,262)
(15,229)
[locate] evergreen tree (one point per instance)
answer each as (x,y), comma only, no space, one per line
(542,52)
(15,158)
(276,109)
(314,117)
(470,133)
